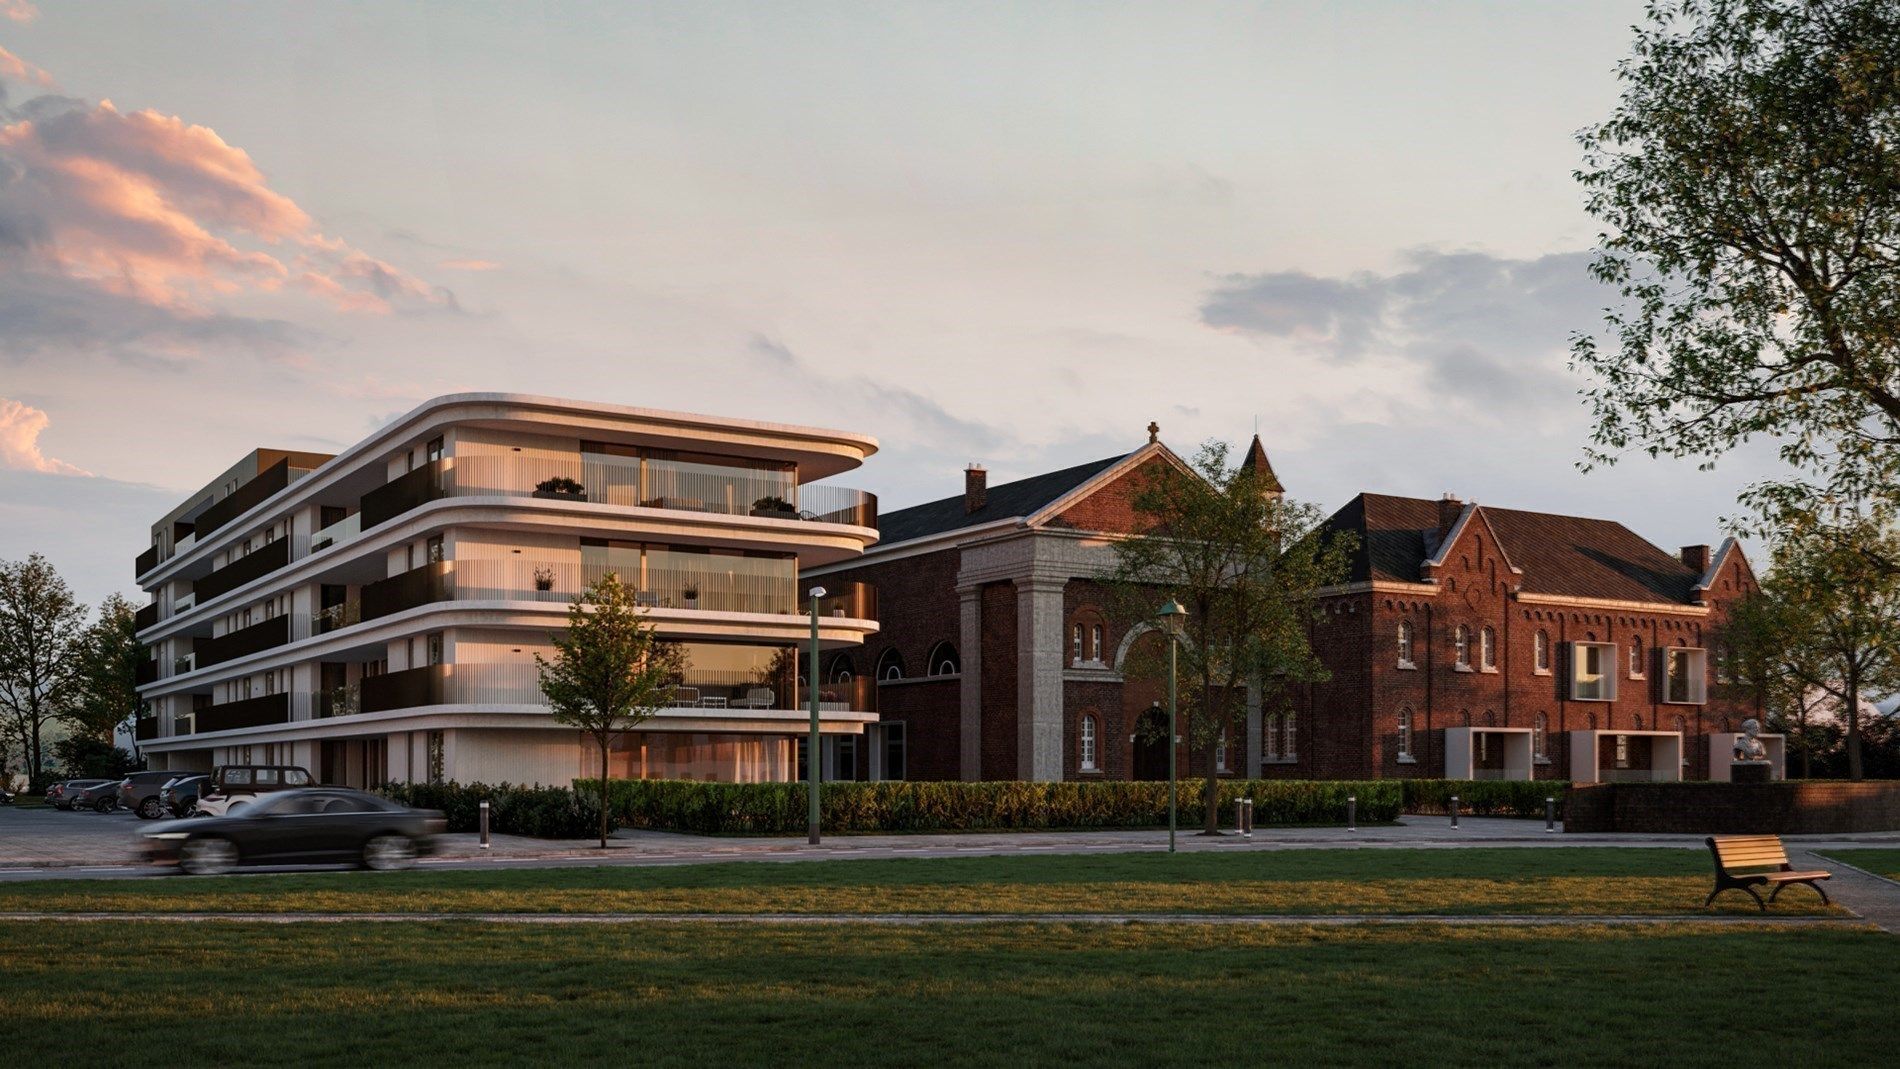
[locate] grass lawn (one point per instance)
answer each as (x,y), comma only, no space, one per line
(471,994)
(1552,881)
(1881,862)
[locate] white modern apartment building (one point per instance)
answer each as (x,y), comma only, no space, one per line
(374,616)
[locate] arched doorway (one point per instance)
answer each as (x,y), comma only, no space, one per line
(1151,745)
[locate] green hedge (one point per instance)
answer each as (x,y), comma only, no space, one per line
(1484,797)
(541,812)
(910,806)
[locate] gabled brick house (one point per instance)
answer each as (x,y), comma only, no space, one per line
(999,656)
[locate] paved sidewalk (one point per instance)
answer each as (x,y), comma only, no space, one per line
(1875,898)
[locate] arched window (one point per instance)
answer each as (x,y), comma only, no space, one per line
(1076,650)
(1542,647)
(1405,734)
(842,670)
(1488,649)
(1461,646)
(1540,738)
(1292,748)
(943,660)
(1086,743)
(1096,652)
(1220,752)
(1405,644)
(1638,719)
(1085,637)
(1270,728)
(1464,718)
(1490,719)
(890,665)
(1636,658)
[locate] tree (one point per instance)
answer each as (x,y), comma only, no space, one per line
(1749,184)
(610,671)
(1246,564)
(1764,661)
(40,626)
(1827,619)
(105,683)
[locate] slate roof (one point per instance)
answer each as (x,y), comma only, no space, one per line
(1003,501)
(1562,555)
(1256,461)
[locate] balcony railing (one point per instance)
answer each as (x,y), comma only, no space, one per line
(265,635)
(400,494)
(332,617)
(145,617)
(343,530)
(415,587)
(855,601)
(247,713)
(254,565)
(145,671)
(403,690)
(337,701)
(146,562)
(246,497)
(145,727)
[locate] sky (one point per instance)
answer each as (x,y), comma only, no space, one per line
(1006,234)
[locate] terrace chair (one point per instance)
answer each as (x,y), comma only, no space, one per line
(685,697)
(757,698)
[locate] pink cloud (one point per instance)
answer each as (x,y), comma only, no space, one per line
(168,213)
(20,427)
(472,265)
(18,10)
(15,69)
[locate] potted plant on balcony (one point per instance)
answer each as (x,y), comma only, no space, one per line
(544,579)
(775,508)
(690,595)
(560,488)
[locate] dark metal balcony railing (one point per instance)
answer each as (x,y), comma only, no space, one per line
(401,690)
(145,617)
(330,618)
(401,494)
(244,498)
(146,671)
(254,565)
(415,587)
(243,642)
(145,727)
(146,562)
(247,713)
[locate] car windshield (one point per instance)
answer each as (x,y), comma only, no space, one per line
(296,777)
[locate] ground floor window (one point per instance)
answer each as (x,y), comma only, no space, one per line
(1086,744)
(894,752)
(698,756)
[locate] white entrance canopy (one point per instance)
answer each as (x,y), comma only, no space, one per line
(1462,746)
(1633,756)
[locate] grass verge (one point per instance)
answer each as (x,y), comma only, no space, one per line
(474,995)
(1879,861)
(1469,881)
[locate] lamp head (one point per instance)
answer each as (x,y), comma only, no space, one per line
(817,592)
(1173,617)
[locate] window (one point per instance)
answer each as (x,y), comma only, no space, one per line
(1220,752)
(1095,644)
(1075,644)
(1488,650)
(1622,751)
(1270,727)
(435,648)
(895,751)
(1540,736)
(1292,748)
(1405,735)
(1541,652)
(1085,638)
(1461,648)
(1685,676)
(843,671)
(1086,744)
(1636,658)
(433,451)
(434,554)
(1590,677)
(1682,729)
(890,666)
(944,660)
(1405,644)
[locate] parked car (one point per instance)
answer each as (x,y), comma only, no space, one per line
(6,796)
(139,793)
(101,797)
(180,796)
(299,827)
(234,787)
(61,794)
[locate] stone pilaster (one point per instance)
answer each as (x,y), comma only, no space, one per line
(1039,726)
(1253,730)
(970,645)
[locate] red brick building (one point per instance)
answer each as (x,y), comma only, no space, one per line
(1468,639)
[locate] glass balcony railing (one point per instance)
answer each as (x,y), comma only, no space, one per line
(520,684)
(344,530)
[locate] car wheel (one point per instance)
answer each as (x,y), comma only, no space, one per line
(151,809)
(103,805)
(386,853)
(209,856)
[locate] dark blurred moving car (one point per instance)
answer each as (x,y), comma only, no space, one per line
(60,795)
(180,796)
(139,793)
(101,797)
(235,787)
(300,827)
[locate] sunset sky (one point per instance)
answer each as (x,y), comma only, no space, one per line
(1002,233)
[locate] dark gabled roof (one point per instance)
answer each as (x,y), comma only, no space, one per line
(1563,555)
(1256,461)
(1002,502)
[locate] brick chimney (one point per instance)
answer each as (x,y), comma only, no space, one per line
(976,487)
(1696,557)
(1449,509)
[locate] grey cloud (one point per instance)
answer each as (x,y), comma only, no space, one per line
(52,317)
(918,416)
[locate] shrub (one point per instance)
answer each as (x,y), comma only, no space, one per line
(908,806)
(1484,797)
(541,812)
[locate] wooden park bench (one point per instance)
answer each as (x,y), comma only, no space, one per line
(1746,862)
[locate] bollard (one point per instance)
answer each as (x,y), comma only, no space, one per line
(484,824)
(1454,810)
(1352,812)
(1243,817)
(1550,814)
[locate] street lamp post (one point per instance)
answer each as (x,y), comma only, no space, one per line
(811,747)
(1173,617)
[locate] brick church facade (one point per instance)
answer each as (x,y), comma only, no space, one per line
(1468,640)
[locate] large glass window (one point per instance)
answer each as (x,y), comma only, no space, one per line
(1685,676)
(696,482)
(1405,644)
(1590,677)
(723,580)
(1087,744)
(1405,734)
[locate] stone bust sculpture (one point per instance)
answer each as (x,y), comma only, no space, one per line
(1748,747)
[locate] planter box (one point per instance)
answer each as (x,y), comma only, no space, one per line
(775,514)
(556,495)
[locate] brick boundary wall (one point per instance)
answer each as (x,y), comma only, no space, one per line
(1809,807)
